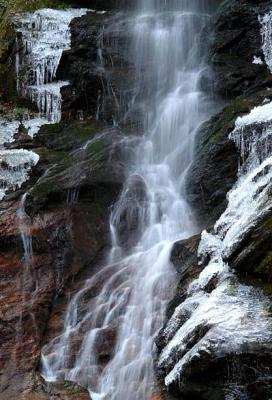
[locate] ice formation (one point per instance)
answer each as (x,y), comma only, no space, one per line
(15,166)
(230,306)
(8,130)
(42,38)
(257,60)
(44,34)
(266,31)
(261,114)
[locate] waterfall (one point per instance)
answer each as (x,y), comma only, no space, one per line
(127,298)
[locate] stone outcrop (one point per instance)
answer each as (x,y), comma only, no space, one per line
(254,255)
(51,241)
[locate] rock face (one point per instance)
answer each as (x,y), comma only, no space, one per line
(254,254)
(235,38)
(65,223)
(184,259)
(98,72)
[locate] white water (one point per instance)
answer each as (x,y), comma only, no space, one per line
(129,295)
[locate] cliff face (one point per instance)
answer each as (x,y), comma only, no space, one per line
(65,216)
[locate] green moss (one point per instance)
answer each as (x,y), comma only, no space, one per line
(52,128)
(87,132)
(66,165)
(15,113)
(224,122)
(31,5)
(40,190)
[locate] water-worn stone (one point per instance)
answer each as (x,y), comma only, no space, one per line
(222,376)
(253,256)
(34,387)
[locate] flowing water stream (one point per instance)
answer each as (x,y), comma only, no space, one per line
(129,295)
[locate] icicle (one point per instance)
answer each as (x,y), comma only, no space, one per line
(266,31)
(45,34)
(15,166)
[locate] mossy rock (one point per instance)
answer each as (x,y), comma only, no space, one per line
(66,136)
(215,165)
(75,156)
(265,267)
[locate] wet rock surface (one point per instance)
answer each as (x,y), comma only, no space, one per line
(35,388)
(254,254)
(98,72)
(235,39)
(215,378)
(50,243)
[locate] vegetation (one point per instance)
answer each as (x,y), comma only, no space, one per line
(30,5)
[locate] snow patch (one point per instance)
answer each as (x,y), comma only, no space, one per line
(257,60)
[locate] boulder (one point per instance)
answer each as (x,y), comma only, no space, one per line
(253,258)
(34,387)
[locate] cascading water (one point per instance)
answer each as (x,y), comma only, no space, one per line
(128,297)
